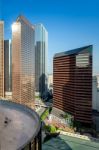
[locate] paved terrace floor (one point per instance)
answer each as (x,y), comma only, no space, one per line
(69,143)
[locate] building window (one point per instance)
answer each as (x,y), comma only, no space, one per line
(82,60)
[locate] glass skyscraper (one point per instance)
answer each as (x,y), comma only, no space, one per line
(41,49)
(1,59)
(7,67)
(23,62)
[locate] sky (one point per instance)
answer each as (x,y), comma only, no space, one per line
(70,23)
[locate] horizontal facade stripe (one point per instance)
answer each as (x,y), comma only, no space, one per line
(73,86)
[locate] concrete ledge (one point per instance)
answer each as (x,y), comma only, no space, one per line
(79,136)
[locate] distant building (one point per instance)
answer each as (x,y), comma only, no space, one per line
(72,83)
(95,101)
(23,61)
(97,80)
(41,49)
(50,82)
(7,68)
(1,59)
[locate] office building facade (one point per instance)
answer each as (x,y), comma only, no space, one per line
(41,49)
(1,59)
(72,83)
(7,68)
(23,62)
(95,102)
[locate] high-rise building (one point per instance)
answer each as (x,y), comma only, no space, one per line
(41,49)
(23,61)
(72,85)
(1,59)
(95,102)
(7,68)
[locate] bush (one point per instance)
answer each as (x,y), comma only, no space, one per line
(47,128)
(45,114)
(50,128)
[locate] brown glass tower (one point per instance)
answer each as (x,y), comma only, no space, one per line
(73,83)
(23,62)
(1,59)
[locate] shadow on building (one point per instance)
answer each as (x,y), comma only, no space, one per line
(43,87)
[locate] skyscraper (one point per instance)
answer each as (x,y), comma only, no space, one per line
(73,83)
(95,90)
(41,48)
(1,59)
(7,67)
(23,61)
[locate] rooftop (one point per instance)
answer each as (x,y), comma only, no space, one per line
(20,17)
(63,142)
(18,125)
(74,51)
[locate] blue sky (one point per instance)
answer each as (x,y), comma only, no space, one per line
(70,23)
